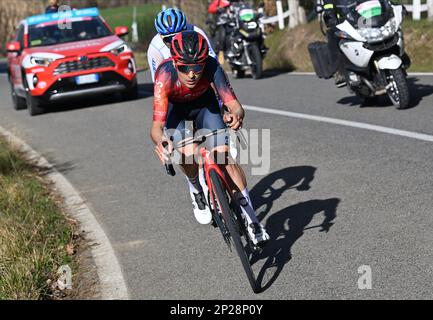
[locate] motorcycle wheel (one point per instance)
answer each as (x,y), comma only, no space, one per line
(257,66)
(398,91)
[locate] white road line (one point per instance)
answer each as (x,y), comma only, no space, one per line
(353,124)
(111,281)
(295,73)
(429,74)
(301,73)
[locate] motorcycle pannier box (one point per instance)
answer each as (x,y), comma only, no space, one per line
(321,59)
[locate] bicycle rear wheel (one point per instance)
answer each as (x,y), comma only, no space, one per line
(227,213)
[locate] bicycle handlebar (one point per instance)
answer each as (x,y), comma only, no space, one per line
(168,165)
(200,139)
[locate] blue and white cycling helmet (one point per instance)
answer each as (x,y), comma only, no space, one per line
(170,21)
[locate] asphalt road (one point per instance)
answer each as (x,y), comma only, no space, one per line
(335,198)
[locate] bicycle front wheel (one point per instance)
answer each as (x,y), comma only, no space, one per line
(227,213)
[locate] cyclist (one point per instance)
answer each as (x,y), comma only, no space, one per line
(183,91)
(53,6)
(168,23)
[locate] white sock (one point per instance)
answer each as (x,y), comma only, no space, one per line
(246,206)
(194,184)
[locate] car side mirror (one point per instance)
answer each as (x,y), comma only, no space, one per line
(121,31)
(318,9)
(13,46)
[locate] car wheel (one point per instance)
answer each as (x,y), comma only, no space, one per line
(34,105)
(17,102)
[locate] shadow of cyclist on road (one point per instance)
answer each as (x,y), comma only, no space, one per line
(272,187)
(285,228)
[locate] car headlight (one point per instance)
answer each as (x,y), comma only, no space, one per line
(43,62)
(120,49)
(379,34)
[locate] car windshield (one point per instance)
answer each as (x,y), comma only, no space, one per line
(371,13)
(74,30)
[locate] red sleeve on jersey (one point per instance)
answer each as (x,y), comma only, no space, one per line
(161,91)
(223,86)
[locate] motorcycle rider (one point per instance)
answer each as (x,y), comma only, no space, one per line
(168,23)
(221,39)
(53,6)
(216,8)
(331,17)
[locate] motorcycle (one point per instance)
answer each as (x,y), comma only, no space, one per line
(371,42)
(244,47)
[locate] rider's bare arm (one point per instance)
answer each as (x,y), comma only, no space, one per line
(225,91)
(157,135)
(235,116)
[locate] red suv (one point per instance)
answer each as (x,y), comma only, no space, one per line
(55,57)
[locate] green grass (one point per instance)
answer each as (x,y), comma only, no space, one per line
(419,44)
(274,59)
(34,232)
(288,48)
(123,16)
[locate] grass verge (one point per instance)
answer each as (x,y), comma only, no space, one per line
(35,236)
(418,39)
(123,16)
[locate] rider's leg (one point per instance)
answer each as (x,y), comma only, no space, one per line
(177,129)
(237,181)
(190,168)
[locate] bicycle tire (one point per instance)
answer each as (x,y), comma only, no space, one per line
(227,214)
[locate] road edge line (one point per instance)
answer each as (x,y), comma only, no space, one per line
(111,281)
(299,73)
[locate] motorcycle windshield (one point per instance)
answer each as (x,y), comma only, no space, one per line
(365,13)
(246,15)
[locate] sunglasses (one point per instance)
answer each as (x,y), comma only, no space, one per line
(187,68)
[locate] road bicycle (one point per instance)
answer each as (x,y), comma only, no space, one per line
(225,209)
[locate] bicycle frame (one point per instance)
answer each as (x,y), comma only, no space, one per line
(208,162)
(208,165)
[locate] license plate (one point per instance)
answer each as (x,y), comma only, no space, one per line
(88,78)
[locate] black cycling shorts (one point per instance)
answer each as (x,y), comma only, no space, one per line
(204,112)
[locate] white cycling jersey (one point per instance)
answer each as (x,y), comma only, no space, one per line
(159,52)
